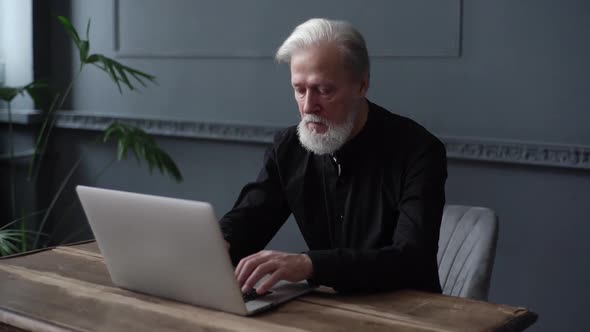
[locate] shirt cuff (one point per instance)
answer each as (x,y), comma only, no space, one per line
(324,268)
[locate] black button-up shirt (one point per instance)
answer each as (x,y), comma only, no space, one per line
(370,213)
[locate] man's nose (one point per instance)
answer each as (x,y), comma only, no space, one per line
(310,105)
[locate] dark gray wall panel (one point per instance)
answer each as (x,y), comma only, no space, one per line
(237,91)
(522,73)
(255,28)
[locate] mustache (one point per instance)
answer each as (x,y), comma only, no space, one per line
(314,118)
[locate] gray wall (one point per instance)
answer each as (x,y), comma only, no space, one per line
(509,70)
(207,73)
(496,69)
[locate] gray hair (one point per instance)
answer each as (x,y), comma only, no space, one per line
(320,30)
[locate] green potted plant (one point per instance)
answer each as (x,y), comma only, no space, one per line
(27,230)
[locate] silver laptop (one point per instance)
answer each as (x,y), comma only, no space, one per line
(171,248)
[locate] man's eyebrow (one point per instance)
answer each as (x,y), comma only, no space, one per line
(311,84)
(297,84)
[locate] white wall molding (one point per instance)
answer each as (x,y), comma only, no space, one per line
(517,152)
(460,148)
(21,117)
(170,127)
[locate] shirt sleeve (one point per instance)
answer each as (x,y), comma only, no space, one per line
(410,261)
(260,210)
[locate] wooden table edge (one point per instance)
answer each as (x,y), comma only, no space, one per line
(25,322)
(30,252)
(521,322)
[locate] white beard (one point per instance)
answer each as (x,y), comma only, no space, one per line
(331,140)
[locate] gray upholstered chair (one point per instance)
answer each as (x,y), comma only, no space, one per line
(466,250)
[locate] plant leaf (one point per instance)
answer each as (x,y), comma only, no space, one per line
(158,161)
(123,77)
(8,240)
(84,49)
(9,234)
(93,58)
(12,244)
(171,167)
(88,30)
(109,131)
(119,72)
(33,89)
(36,89)
(135,73)
(4,249)
(149,158)
(9,93)
(70,29)
(109,66)
(120,150)
(143,146)
(23,218)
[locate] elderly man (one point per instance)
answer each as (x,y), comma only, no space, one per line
(365,186)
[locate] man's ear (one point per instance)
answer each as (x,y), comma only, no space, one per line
(364,87)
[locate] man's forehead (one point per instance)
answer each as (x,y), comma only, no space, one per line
(322,54)
(314,79)
(316,64)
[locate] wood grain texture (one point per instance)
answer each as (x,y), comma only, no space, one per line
(79,253)
(69,288)
(431,310)
(77,305)
(59,263)
(315,317)
(89,246)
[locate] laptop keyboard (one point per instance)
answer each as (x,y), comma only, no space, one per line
(251,295)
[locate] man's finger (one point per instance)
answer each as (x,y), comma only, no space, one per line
(270,282)
(250,265)
(259,272)
(243,261)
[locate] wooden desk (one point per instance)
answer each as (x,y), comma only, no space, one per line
(68,288)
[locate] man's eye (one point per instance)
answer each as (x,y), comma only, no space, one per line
(324,90)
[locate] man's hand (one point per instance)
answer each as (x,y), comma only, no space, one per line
(280,266)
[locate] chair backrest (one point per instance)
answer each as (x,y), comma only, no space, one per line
(466,250)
